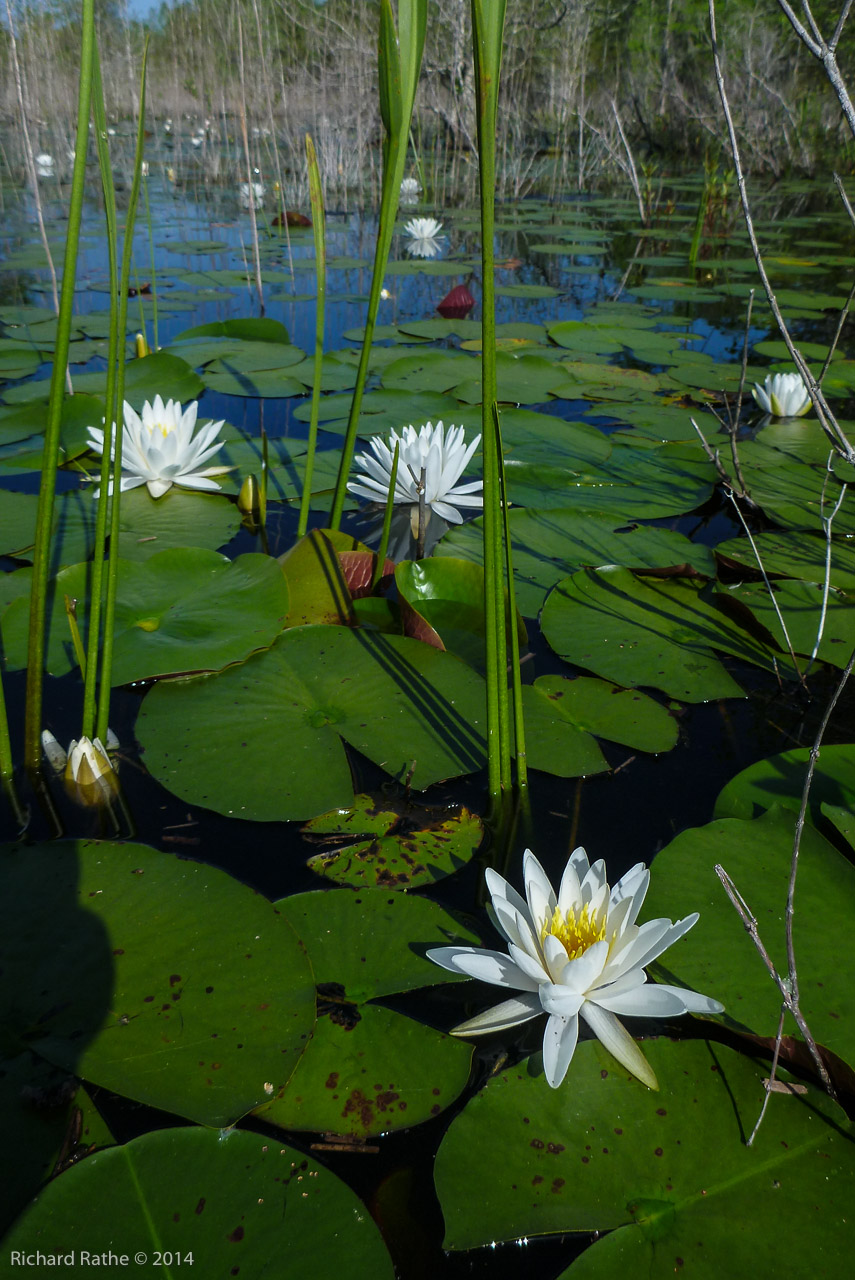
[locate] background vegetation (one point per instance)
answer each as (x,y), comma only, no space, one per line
(576,72)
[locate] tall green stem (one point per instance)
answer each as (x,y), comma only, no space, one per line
(488,19)
(44,520)
(124,280)
(316,196)
(399,62)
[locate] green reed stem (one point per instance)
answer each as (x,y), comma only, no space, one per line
(96,583)
(399,61)
(44,519)
(316,196)
(387,520)
(122,327)
(516,678)
(488,17)
(6,765)
(76,642)
(155,340)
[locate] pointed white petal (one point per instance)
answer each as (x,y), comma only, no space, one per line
(559,1045)
(620,1044)
(511,1013)
(488,966)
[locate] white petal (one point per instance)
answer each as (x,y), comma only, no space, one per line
(559,1045)
(559,1000)
(693,1001)
(582,973)
(620,1044)
(538,890)
(511,1013)
(157,488)
(648,1001)
(488,966)
(529,962)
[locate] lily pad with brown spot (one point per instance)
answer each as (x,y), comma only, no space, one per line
(393,844)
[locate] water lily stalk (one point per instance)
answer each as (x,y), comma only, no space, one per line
(488,18)
(514,640)
(6,765)
(316,196)
(380,562)
(399,62)
(96,596)
(77,643)
(44,519)
(102,722)
(151,259)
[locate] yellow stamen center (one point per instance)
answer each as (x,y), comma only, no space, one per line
(575,931)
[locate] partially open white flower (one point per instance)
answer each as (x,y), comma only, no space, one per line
(410,188)
(88,771)
(443,456)
(44,165)
(160,450)
(577,953)
(784,395)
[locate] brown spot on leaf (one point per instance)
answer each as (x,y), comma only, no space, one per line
(236,1235)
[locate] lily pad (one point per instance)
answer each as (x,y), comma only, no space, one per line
(718,955)
(649,631)
(369,1069)
(603,1154)
(780,780)
(213,1200)
(403,704)
(549,545)
(151,976)
(794,555)
(621,715)
(392,845)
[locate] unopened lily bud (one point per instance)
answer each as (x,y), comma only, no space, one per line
(249,500)
(90,778)
(142,347)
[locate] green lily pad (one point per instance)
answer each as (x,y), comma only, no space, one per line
(790,491)
(801,604)
(629,484)
(780,780)
(794,555)
(160,374)
(718,955)
(393,845)
(395,700)
(657,632)
(369,1069)
(214,1201)
(549,545)
(621,715)
(151,976)
(603,1154)
(383,411)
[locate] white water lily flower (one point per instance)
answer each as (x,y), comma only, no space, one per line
(410,188)
(252,195)
(44,165)
(443,456)
(577,953)
(160,450)
(784,395)
(425,234)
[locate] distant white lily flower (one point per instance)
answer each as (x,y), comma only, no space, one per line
(45,165)
(576,953)
(410,188)
(784,395)
(424,236)
(251,195)
(443,456)
(159,449)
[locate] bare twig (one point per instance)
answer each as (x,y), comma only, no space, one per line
(824,51)
(826,417)
(730,494)
(633,175)
(826,581)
